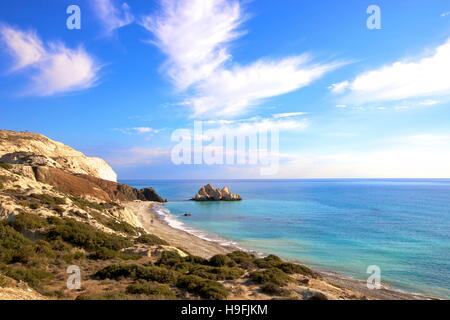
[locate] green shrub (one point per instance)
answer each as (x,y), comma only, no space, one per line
(268,262)
(206,289)
(59,245)
(221,260)
(85,236)
(26,221)
(14,247)
(86,204)
(103,254)
(32,276)
(227,273)
(203,273)
(151,240)
(274,290)
(160,291)
(169,258)
(115,295)
(107,254)
(243,259)
(195,260)
(43,248)
(48,199)
(121,226)
(117,271)
(272,275)
(292,268)
(157,274)
(137,272)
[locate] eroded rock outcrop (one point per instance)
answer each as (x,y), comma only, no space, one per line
(210,193)
(38,150)
(84,185)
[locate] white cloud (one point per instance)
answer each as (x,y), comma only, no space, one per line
(230,92)
(415,104)
(429,103)
(55,68)
(196,37)
(339,87)
(428,76)
(445,14)
(288,115)
(24,46)
(341,106)
(112,17)
(138,130)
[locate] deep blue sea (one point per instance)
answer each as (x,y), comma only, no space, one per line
(402,226)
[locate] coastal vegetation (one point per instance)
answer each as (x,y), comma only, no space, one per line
(34,249)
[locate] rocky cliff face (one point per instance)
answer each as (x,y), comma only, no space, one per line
(210,193)
(65,169)
(37,150)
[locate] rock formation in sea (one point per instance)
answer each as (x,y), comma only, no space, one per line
(210,193)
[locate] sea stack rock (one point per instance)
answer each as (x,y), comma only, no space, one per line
(209,193)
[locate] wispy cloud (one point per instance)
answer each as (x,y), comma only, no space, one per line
(54,67)
(288,115)
(445,14)
(138,130)
(196,37)
(111,16)
(24,46)
(428,76)
(231,92)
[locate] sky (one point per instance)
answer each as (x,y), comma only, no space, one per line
(346,100)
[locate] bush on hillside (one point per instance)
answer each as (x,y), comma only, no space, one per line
(155,290)
(151,240)
(206,289)
(86,236)
(272,275)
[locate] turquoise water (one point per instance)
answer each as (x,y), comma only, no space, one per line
(402,226)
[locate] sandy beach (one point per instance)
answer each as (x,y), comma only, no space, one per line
(189,243)
(332,283)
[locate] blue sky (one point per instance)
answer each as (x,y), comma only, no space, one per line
(348,101)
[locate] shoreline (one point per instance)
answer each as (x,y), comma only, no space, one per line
(153,221)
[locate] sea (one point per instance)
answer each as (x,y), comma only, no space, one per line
(344,226)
